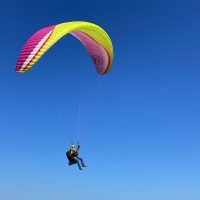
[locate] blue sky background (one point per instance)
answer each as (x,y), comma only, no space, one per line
(141,139)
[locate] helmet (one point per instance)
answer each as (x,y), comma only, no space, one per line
(73,146)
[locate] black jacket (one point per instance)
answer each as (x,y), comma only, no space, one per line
(71,155)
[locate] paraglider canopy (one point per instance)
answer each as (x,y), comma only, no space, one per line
(94,38)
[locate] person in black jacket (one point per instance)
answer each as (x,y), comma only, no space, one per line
(73,158)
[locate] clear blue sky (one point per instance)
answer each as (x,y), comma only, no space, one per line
(141,140)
